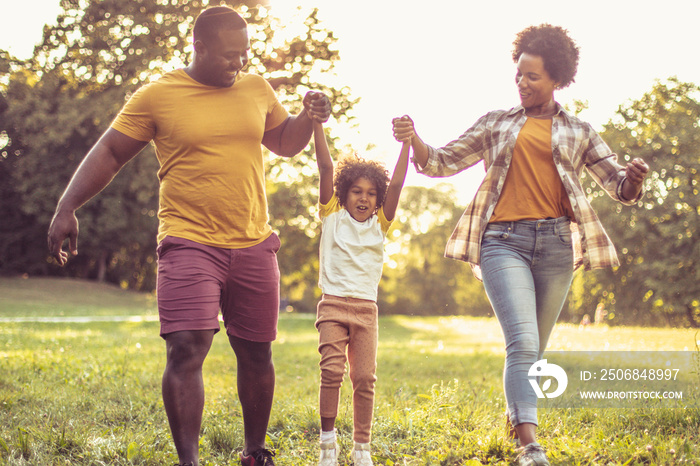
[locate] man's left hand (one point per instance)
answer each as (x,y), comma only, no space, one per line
(317,106)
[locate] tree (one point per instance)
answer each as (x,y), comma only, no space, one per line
(293,201)
(658,239)
(52,125)
(55,105)
(418,278)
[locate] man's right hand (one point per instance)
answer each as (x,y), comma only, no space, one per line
(63,225)
(105,159)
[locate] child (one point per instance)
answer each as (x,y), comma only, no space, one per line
(356,208)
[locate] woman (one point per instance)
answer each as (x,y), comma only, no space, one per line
(517,232)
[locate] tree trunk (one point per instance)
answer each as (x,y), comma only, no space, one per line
(102,266)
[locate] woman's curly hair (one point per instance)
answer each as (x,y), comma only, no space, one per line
(351,168)
(558,51)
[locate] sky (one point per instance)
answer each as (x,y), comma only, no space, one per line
(446,63)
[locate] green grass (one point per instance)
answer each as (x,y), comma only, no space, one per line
(89,393)
(21,297)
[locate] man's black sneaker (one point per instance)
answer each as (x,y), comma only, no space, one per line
(262,457)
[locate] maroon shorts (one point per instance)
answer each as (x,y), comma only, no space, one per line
(196,281)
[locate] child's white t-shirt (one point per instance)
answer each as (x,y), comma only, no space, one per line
(351,252)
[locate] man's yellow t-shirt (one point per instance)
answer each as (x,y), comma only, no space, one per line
(208,143)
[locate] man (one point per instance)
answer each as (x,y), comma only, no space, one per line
(216,248)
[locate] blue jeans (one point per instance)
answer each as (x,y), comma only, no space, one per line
(527,267)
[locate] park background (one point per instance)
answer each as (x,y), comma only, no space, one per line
(445,64)
(83,391)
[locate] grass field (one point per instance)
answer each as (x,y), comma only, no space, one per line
(89,393)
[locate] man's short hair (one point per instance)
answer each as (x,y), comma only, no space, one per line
(215,19)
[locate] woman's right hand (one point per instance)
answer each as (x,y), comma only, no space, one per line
(403,128)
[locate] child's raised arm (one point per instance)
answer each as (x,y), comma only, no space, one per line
(391,201)
(325,164)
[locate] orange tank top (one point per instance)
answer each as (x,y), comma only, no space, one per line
(533,189)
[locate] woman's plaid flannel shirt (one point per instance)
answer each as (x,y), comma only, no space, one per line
(575,145)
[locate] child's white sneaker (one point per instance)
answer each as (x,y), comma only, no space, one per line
(329,454)
(361,455)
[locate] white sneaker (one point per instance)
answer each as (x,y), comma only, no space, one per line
(329,454)
(532,455)
(361,455)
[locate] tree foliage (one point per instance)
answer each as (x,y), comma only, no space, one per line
(55,106)
(293,202)
(658,239)
(418,279)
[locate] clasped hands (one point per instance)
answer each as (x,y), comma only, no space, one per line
(403,128)
(317,106)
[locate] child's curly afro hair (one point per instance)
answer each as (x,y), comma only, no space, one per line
(558,51)
(351,168)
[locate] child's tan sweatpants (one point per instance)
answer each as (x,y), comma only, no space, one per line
(348,324)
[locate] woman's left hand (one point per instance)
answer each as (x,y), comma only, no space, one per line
(636,171)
